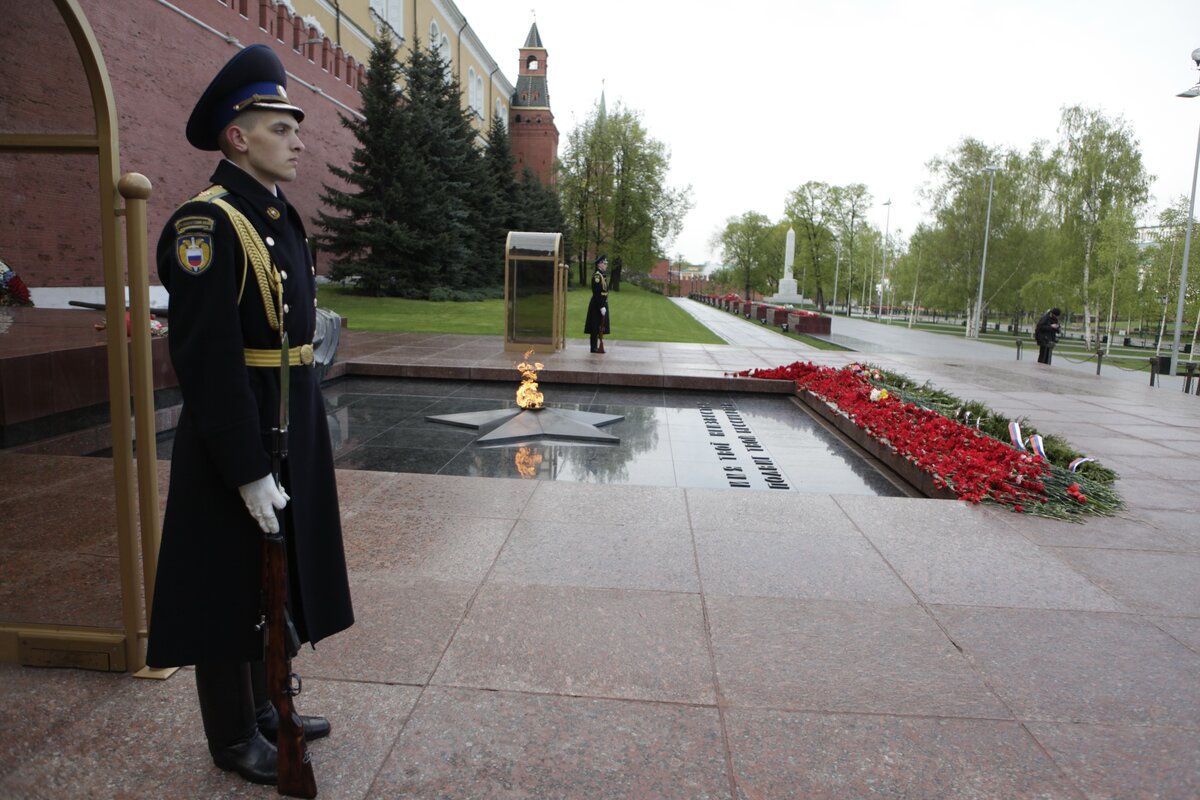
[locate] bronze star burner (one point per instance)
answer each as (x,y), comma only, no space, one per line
(532,420)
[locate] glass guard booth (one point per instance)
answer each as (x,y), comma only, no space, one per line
(535,292)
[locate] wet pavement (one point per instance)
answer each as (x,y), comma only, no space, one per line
(870,335)
(561,639)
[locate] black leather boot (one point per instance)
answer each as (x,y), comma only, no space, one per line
(227,708)
(268,716)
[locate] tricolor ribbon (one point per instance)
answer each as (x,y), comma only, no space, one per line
(1035,444)
(1014,433)
(1074,465)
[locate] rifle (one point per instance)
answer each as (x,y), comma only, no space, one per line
(295,765)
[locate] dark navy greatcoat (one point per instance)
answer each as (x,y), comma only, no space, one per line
(597,322)
(207,598)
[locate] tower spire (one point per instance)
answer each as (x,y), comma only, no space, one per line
(532,131)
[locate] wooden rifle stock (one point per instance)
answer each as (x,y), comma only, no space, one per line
(295,765)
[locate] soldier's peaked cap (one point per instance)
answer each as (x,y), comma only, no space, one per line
(254,78)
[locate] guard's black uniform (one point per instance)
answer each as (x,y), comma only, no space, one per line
(207,597)
(1046,335)
(597,323)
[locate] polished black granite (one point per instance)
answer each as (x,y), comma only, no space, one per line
(667,438)
(691,439)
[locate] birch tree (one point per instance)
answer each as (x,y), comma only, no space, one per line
(1097,168)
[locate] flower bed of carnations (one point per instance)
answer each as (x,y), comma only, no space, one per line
(975,466)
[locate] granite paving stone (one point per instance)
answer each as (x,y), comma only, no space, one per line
(401,629)
(46,702)
(1177,495)
(623,505)
(841,756)
(723,510)
(598,642)
(1072,666)
(1131,529)
(852,657)
(355,489)
(968,559)
(148,724)
(1119,762)
(38,520)
(1122,573)
(423,545)
(801,564)
(455,495)
(30,583)
(1185,630)
(577,553)
(463,743)
(1182,523)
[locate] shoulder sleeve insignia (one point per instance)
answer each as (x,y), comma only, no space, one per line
(193,252)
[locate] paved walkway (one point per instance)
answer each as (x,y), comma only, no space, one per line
(873,336)
(736,330)
(547,639)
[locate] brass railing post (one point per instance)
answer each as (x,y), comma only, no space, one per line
(135,188)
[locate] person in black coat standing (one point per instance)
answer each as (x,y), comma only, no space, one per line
(597,323)
(1046,334)
(238,269)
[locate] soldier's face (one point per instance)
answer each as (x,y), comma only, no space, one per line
(273,146)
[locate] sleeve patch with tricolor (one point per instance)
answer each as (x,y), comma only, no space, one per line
(193,244)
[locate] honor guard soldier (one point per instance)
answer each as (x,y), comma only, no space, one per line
(235,261)
(596,323)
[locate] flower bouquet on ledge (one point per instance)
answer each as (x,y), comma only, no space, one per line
(13,291)
(977,454)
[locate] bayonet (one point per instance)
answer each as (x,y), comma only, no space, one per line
(280,433)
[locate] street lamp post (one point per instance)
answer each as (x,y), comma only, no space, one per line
(983,266)
(837,269)
(1187,237)
(887,226)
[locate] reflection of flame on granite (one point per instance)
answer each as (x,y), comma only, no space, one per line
(527,462)
(531,420)
(528,395)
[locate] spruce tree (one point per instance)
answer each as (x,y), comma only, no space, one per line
(499,161)
(366,233)
(423,215)
(422,195)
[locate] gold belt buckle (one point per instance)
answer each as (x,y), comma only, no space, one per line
(306,354)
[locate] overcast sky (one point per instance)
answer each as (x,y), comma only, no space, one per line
(756,97)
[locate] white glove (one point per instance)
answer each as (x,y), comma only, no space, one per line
(262,497)
(604,312)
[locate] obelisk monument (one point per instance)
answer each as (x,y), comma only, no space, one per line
(787,287)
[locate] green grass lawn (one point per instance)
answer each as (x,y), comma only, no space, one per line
(637,315)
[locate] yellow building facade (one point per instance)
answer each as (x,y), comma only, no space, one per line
(440,24)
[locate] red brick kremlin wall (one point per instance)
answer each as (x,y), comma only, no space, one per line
(158,62)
